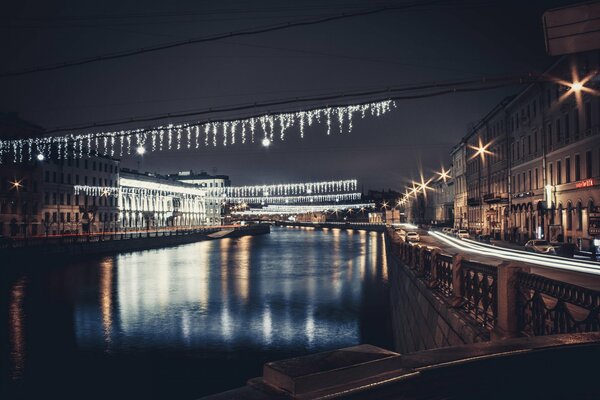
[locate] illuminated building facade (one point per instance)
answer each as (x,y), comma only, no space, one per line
(36,195)
(214,206)
(539,176)
(150,201)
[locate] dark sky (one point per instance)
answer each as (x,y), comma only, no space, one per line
(458,39)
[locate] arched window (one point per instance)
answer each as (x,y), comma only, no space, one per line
(569,216)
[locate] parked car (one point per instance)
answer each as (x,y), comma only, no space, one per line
(565,249)
(412,237)
(446,230)
(462,234)
(540,246)
(453,232)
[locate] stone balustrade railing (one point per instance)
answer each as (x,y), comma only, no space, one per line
(506,299)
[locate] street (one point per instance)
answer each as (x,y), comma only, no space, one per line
(477,252)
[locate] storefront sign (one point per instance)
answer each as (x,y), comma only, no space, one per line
(584,184)
(594,223)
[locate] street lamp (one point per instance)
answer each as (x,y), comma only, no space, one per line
(266,142)
(481,151)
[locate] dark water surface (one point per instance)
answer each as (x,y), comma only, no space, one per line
(191,320)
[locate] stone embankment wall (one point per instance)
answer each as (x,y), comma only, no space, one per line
(117,243)
(421,318)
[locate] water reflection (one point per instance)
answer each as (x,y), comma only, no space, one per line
(245,300)
(16,328)
(105,269)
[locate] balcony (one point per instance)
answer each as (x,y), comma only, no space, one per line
(494,198)
(473,201)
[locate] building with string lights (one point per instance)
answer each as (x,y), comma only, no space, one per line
(36,192)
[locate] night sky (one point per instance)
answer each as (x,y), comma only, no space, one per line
(451,40)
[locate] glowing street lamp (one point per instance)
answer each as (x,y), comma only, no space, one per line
(266,142)
(141,150)
(40,157)
(481,150)
(444,175)
(16,184)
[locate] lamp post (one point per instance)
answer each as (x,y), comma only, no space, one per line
(481,151)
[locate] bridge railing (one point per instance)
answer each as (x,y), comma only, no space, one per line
(506,299)
(548,307)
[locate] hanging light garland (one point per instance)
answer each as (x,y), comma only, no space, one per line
(320,198)
(295,193)
(288,189)
(303,209)
(185,192)
(264,128)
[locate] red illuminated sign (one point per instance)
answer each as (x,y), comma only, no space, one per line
(584,184)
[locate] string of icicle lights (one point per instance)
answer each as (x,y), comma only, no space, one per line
(202,193)
(302,209)
(266,128)
(307,188)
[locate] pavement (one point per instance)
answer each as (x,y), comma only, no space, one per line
(588,280)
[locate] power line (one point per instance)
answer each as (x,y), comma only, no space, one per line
(246,32)
(389,93)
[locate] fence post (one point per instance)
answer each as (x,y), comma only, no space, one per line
(413,259)
(507,292)
(421,266)
(432,269)
(457,281)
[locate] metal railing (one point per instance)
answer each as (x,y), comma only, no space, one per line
(532,305)
(480,291)
(548,307)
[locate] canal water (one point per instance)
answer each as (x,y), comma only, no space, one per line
(188,321)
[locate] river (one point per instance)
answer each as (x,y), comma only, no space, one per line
(191,320)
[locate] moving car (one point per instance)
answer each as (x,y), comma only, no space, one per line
(540,246)
(412,237)
(447,230)
(462,234)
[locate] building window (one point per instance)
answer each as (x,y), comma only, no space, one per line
(588,116)
(536,179)
(549,135)
(558,135)
(530,181)
(577,167)
(588,164)
(558,172)
(551,172)
(576,123)
(567,170)
(579,216)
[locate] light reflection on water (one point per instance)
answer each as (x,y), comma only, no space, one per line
(246,300)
